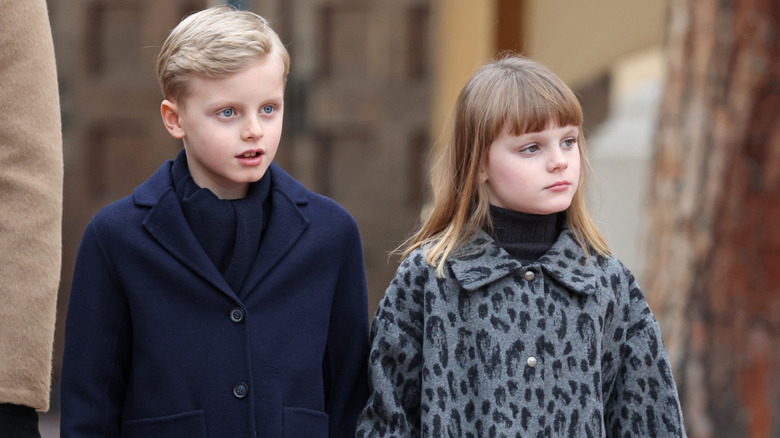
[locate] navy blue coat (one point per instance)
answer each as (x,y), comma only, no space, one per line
(158,345)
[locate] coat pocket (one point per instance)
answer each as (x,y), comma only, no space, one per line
(305,423)
(185,425)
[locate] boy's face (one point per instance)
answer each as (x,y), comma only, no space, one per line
(230,126)
(536,173)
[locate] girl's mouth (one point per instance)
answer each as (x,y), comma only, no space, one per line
(558,186)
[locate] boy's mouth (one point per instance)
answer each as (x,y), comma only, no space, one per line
(251,157)
(249,154)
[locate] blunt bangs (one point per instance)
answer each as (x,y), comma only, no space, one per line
(523,98)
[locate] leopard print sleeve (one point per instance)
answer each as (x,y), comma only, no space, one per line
(395,362)
(643,400)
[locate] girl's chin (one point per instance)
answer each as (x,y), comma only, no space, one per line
(550,209)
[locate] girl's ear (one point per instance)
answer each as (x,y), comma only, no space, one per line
(482,174)
(171,120)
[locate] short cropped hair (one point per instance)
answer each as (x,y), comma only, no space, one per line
(215,43)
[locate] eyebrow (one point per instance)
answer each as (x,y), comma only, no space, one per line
(227,102)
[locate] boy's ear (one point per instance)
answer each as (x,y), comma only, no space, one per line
(170,117)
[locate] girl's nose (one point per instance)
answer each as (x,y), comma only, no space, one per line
(557,161)
(253,129)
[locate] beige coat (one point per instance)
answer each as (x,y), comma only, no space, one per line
(30,202)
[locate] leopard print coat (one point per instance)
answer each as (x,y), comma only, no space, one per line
(558,347)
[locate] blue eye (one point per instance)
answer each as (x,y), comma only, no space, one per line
(530,149)
(268,109)
(227,112)
(569,142)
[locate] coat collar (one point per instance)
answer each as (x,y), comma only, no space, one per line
(150,191)
(167,225)
(565,262)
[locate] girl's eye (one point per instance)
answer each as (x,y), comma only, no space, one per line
(227,112)
(569,142)
(530,149)
(268,109)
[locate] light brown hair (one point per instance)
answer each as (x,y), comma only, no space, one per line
(214,43)
(511,92)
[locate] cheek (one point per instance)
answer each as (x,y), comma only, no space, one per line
(575,175)
(574,166)
(278,125)
(510,168)
(507,178)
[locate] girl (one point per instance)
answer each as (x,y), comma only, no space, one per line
(508,317)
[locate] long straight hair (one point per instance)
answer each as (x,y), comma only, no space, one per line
(513,93)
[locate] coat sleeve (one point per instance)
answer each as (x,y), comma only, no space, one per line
(644,399)
(97,347)
(30,203)
(395,361)
(347,345)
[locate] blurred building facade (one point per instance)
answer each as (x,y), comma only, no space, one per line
(371,87)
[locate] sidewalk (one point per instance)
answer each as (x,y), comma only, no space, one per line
(49,424)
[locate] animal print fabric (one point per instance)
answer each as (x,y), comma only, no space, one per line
(496,348)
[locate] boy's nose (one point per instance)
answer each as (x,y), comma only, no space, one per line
(253,129)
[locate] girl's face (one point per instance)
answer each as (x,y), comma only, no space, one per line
(536,173)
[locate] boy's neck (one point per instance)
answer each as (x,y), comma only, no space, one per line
(222,193)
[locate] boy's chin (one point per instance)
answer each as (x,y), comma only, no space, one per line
(254,176)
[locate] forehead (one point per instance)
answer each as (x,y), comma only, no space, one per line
(262,78)
(551,131)
(531,103)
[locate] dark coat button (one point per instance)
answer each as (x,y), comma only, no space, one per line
(237,315)
(240,390)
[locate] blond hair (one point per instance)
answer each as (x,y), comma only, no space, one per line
(511,92)
(214,43)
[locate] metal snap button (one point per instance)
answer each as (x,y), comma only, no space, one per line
(532,361)
(529,275)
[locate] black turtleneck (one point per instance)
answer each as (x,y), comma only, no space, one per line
(229,230)
(525,237)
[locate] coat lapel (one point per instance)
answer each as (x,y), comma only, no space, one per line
(285,226)
(167,225)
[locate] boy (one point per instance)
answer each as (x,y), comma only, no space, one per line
(222,298)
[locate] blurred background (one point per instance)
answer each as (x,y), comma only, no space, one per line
(681,100)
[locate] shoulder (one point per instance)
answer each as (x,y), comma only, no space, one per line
(414,267)
(126,214)
(413,274)
(330,212)
(115,220)
(317,207)
(618,283)
(401,308)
